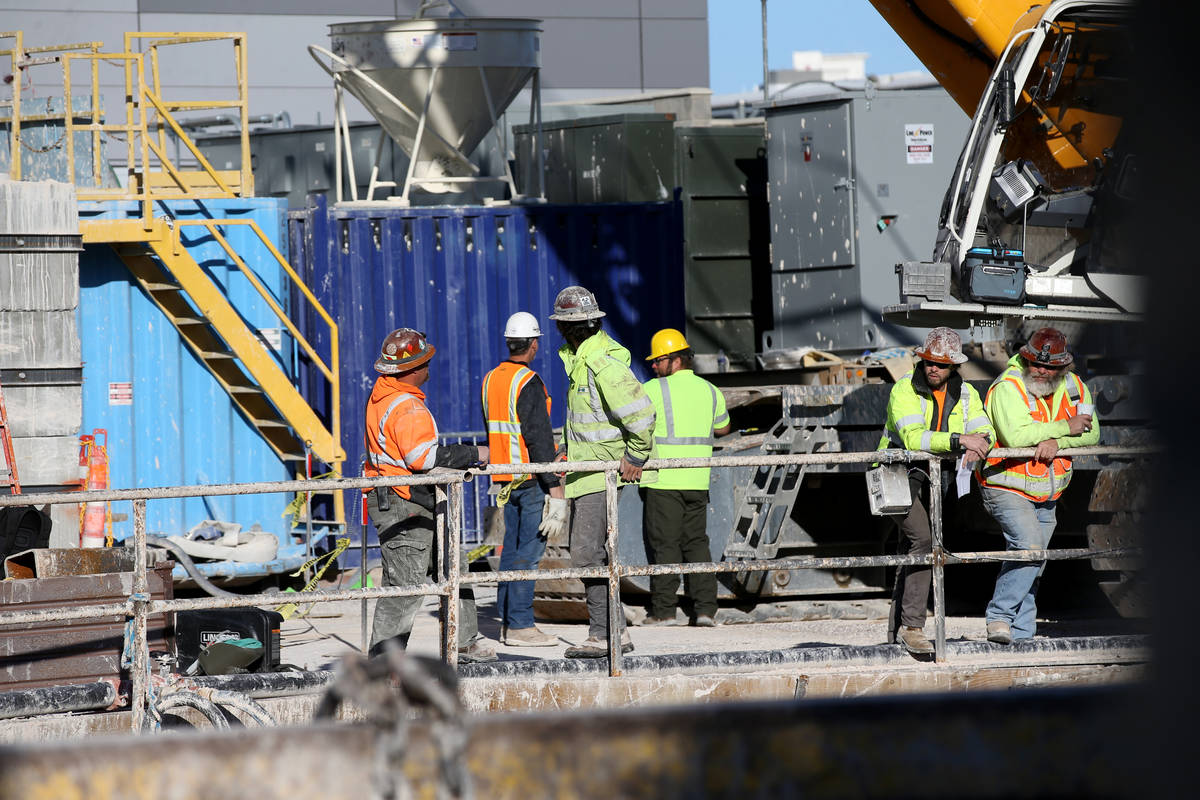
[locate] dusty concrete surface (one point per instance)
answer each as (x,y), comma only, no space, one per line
(330,630)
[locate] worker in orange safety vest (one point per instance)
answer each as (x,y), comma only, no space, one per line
(516,410)
(401,439)
(1036,402)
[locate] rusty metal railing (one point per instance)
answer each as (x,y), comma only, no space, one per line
(448,487)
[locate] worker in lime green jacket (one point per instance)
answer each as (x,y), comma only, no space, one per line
(932,409)
(609,418)
(1036,402)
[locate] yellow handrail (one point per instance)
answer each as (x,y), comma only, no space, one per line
(330,371)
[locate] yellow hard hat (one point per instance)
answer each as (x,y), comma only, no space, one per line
(665,342)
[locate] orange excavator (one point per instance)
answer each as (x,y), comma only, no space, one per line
(1032,226)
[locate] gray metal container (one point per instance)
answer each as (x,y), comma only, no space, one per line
(856,181)
(618,158)
(721,171)
(40,362)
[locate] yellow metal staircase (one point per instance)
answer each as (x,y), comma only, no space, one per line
(221,339)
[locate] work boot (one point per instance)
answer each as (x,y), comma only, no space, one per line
(998,631)
(652,621)
(592,647)
(528,637)
(480,650)
(705,621)
(915,641)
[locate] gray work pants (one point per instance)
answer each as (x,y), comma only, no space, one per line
(407,547)
(589,528)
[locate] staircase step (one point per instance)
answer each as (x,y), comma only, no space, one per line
(155,286)
(214,355)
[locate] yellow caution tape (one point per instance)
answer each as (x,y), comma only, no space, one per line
(288,609)
(297,505)
(476,553)
(507,489)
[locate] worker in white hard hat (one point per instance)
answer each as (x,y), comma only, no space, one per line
(689,414)
(516,411)
(401,439)
(931,408)
(609,418)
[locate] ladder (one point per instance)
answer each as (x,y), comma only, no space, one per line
(9,473)
(764,504)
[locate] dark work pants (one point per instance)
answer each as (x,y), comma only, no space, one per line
(589,529)
(673,525)
(910,597)
(407,546)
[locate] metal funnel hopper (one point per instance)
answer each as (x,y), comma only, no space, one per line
(436,85)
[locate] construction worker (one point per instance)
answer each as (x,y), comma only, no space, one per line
(516,409)
(933,409)
(401,439)
(1036,402)
(609,417)
(689,412)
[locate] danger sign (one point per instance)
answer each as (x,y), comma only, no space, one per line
(918,143)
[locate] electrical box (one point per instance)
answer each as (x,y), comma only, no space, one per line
(888,489)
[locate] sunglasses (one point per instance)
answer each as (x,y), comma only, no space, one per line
(935,364)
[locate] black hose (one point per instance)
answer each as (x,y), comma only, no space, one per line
(56,699)
(206,707)
(267,684)
(189,565)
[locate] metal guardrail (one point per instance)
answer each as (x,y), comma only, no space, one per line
(448,485)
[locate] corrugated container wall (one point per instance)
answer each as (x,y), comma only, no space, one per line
(169,422)
(457,273)
(39,341)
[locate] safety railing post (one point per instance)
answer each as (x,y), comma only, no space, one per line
(363,527)
(448,504)
(615,612)
(140,675)
(939,560)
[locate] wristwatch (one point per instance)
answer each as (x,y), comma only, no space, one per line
(954,441)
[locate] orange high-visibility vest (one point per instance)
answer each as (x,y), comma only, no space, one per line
(501,388)
(400,434)
(1029,478)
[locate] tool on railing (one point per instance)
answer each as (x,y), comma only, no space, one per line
(95,521)
(10,461)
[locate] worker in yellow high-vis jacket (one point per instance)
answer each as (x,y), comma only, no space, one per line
(689,413)
(609,418)
(932,409)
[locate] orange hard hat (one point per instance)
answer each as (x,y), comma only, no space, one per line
(1047,347)
(403,350)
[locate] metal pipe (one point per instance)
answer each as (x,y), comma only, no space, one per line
(140,676)
(57,699)
(616,614)
(939,576)
(766,70)
(267,684)
(451,538)
(268,487)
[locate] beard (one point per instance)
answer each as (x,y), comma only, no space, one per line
(1038,387)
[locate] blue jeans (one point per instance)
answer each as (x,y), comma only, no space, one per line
(523,548)
(1027,526)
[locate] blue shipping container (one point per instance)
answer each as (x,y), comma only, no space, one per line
(178,426)
(457,273)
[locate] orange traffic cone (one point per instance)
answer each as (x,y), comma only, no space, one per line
(93,523)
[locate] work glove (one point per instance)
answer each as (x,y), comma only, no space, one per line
(554,517)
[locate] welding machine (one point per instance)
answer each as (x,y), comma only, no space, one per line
(196,630)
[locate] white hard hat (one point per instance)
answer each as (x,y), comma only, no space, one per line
(522,325)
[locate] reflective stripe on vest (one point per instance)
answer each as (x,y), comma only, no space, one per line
(1026,477)
(502,388)
(964,400)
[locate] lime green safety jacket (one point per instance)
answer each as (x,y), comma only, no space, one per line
(910,415)
(608,412)
(688,409)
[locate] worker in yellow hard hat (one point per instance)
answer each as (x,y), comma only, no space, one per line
(689,413)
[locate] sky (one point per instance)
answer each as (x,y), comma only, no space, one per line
(834,26)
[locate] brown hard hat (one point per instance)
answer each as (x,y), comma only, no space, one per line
(1047,347)
(403,350)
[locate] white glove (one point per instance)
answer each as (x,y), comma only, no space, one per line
(554,517)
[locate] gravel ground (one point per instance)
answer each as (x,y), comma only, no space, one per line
(331,630)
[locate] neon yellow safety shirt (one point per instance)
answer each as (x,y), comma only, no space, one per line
(687,411)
